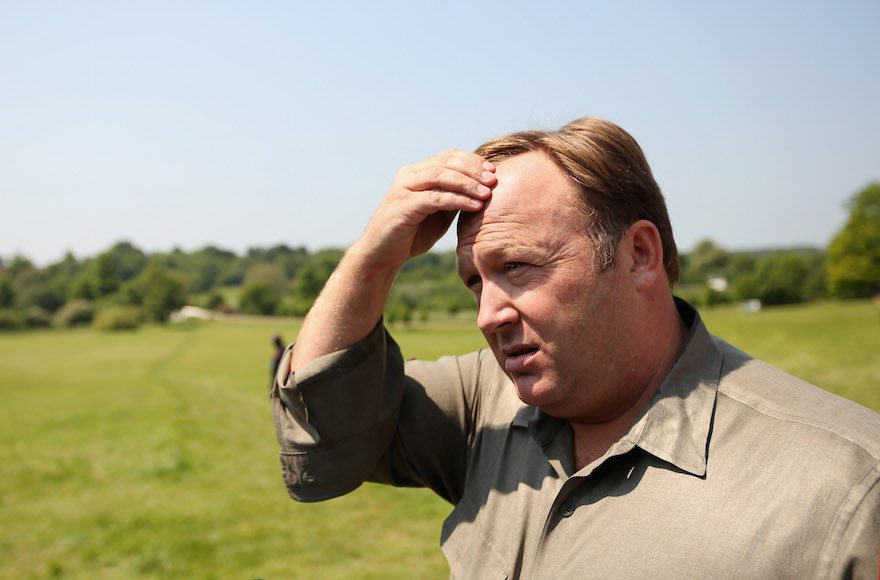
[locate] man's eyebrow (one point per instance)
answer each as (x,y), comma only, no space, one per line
(488,250)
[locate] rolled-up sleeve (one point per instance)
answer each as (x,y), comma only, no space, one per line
(336,416)
(362,414)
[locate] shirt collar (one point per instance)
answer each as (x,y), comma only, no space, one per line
(674,426)
(676,423)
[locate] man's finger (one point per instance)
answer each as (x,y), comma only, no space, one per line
(438,177)
(449,201)
(446,170)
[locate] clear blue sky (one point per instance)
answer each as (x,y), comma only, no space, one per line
(182,124)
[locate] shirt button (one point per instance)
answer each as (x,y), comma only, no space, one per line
(566,509)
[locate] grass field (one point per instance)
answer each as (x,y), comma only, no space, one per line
(152,454)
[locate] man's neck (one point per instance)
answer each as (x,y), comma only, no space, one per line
(592,440)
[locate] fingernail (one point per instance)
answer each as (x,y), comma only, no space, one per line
(483,189)
(488,166)
(488,175)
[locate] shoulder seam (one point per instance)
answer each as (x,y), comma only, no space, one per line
(791,418)
(843,518)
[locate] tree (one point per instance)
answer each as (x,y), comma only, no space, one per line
(130,261)
(206,266)
(214,301)
(781,279)
(205,275)
(398,309)
(7,292)
(32,289)
(162,292)
(708,259)
(741,265)
(105,278)
(61,274)
(310,279)
(80,288)
(18,265)
(258,298)
(268,274)
(853,256)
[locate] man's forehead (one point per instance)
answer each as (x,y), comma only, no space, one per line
(468,221)
(530,188)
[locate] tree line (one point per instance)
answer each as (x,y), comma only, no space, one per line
(124,287)
(848,268)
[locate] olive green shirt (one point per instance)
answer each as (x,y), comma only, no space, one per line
(733,470)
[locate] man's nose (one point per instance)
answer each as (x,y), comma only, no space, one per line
(494,308)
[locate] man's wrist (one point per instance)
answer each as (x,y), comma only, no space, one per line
(361,262)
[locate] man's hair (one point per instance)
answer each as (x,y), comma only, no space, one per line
(616,185)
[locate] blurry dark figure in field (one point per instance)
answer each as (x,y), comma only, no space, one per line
(278,350)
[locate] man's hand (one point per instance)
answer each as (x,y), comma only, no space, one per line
(416,212)
(421,204)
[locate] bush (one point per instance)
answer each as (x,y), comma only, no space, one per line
(36,317)
(213,301)
(746,287)
(691,293)
(74,313)
(258,298)
(7,292)
(398,311)
(163,292)
(710,297)
(119,317)
(294,306)
(11,319)
(781,279)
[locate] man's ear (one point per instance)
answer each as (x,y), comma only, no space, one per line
(647,254)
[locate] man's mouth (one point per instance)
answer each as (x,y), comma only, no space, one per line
(518,357)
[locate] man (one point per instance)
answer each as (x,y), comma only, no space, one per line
(277,353)
(610,435)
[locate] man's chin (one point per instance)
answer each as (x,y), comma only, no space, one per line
(535,392)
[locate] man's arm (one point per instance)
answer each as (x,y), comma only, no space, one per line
(416,212)
(338,418)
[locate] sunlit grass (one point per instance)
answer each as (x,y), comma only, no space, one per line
(152,454)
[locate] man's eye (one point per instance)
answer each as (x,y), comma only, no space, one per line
(473,281)
(513,266)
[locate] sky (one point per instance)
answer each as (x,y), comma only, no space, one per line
(251,124)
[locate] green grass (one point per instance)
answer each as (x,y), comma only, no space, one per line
(151,454)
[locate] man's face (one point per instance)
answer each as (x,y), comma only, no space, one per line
(552,320)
